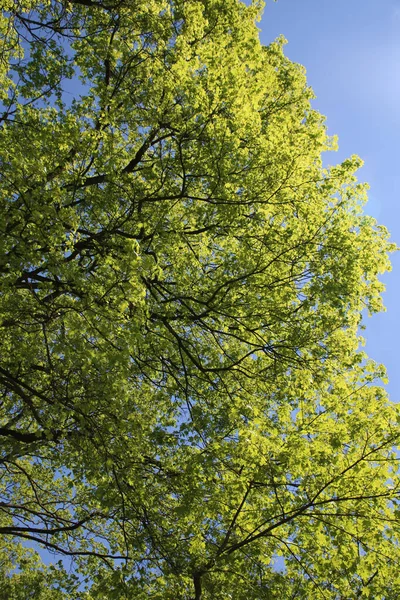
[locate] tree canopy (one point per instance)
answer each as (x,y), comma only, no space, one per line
(185,409)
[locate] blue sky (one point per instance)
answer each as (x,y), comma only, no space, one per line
(351,51)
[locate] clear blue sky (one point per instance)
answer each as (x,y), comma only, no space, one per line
(351,51)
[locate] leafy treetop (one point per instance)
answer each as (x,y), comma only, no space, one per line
(184,403)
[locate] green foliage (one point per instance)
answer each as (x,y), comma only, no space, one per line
(24,577)
(184,407)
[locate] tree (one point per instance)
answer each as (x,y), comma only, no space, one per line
(185,409)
